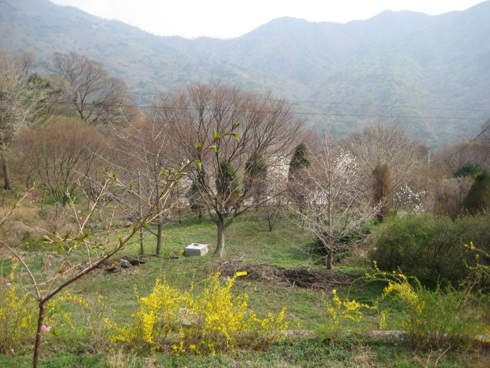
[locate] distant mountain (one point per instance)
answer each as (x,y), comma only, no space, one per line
(430,72)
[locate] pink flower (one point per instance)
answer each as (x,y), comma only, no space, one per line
(45,328)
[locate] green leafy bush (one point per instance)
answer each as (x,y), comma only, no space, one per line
(467,169)
(430,247)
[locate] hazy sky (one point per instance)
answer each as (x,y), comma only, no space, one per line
(233,18)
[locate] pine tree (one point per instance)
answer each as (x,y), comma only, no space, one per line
(255,181)
(383,189)
(195,194)
(226,179)
(300,160)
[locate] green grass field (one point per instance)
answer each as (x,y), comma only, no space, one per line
(248,241)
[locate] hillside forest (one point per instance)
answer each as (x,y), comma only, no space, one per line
(88,176)
(428,72)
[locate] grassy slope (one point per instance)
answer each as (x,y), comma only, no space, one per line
(248,240)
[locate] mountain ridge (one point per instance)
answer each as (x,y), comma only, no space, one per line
(401,64)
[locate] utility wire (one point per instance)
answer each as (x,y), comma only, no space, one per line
(327,114)
(471,141)
(323,102)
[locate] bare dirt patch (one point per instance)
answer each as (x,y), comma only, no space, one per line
(320,279)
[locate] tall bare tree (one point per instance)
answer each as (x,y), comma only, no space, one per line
(145,150)
(86,86)
(22,100)
(205,112)
(384,142)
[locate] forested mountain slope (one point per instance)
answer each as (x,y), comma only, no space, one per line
(430,72)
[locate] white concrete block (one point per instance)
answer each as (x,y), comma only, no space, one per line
(196,250)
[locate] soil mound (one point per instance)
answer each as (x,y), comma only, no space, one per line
(303,277)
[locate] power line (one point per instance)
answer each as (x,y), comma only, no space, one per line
(326,102)
(326,114)
(471,141)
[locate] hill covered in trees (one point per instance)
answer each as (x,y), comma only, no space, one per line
(428,72)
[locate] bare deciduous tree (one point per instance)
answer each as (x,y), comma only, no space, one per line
(86,86)
(60,154)
(205,112)
(22,99)
(145,150)
(446,195)
(385,143)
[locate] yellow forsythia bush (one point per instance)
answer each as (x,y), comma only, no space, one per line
(213,320)
(437,318)
(18,315)
(342,314)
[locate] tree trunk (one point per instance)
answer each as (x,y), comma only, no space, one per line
(220,247)
(6,175)
(140,213)
(328,246)
(159,238)
(329,259)
(37,344)
(142,242)
(66,199)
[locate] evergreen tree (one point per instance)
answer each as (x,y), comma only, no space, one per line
(383,189)
(226,179)
(478,198)
(300,160)
(195,194)
(255,181)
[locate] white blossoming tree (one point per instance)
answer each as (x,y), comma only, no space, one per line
(337,200)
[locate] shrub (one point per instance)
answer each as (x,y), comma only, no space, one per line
(467,169)
(76,322)
(211,321)
(482,258)
(430,247)
(345,243)
(17,316)
(448,194)
(449,319)
(434,319)
(343,315)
